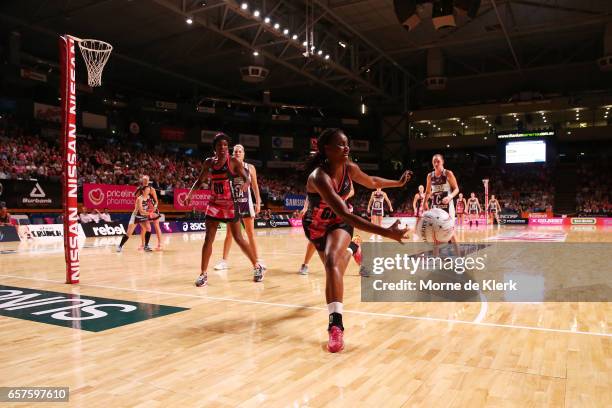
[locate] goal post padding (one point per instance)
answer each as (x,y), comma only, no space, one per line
(69,157)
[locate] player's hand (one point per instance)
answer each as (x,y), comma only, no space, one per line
(257,207)
(396,233)
(405,177)
(446,200)
(390,209)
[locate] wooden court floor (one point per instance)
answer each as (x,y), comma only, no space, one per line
(238,343)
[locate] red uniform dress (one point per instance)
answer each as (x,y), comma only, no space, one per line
(460,206)
(320,220)
(222,205)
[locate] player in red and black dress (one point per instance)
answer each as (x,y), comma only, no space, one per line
(418,202)
(328,222)
(222,207)
(461,206)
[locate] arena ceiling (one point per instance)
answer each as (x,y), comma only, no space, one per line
(508,47)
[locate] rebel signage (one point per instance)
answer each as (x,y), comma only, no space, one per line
(103,229)
(76,311)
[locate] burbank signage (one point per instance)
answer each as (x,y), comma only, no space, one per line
(31,194)
(88,313)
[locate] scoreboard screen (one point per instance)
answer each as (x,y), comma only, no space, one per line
(528,151)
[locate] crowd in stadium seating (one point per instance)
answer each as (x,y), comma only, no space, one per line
(524,188)
(593,197)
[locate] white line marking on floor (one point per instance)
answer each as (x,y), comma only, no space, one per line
(357,312)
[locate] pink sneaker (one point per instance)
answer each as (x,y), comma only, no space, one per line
(336,342)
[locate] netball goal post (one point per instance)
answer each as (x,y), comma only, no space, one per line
(95,54)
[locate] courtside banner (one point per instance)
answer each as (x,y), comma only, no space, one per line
(584,221)
(199,199)
(486,272)
(171,227)
(31,194)
(8,233)
(46,232)
(103,229)
(604,222)
(259,223)
(515,221)
(111,196)
(548,221)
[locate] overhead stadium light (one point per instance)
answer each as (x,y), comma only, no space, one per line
(295,37)
(342,44)
(189,20)
(267,20)
(276,26)
(256,13)
(286,31)
(244,6)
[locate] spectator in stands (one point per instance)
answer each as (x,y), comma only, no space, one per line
(5,216)
(85,216)
(105,216)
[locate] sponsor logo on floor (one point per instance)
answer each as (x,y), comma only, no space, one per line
(80,312)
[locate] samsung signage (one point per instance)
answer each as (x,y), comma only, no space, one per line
(516,135)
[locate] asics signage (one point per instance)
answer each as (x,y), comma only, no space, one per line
(193,226)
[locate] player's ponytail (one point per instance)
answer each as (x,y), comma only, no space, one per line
(319,159)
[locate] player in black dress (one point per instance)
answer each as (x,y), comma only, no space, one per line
(328,222)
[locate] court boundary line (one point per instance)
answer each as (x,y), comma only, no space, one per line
(293,306)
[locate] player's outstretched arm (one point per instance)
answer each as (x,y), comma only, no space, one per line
(323,184)
(373,182)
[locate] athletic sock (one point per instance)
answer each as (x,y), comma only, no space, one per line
(147,237)
(124,240)
(335,319)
